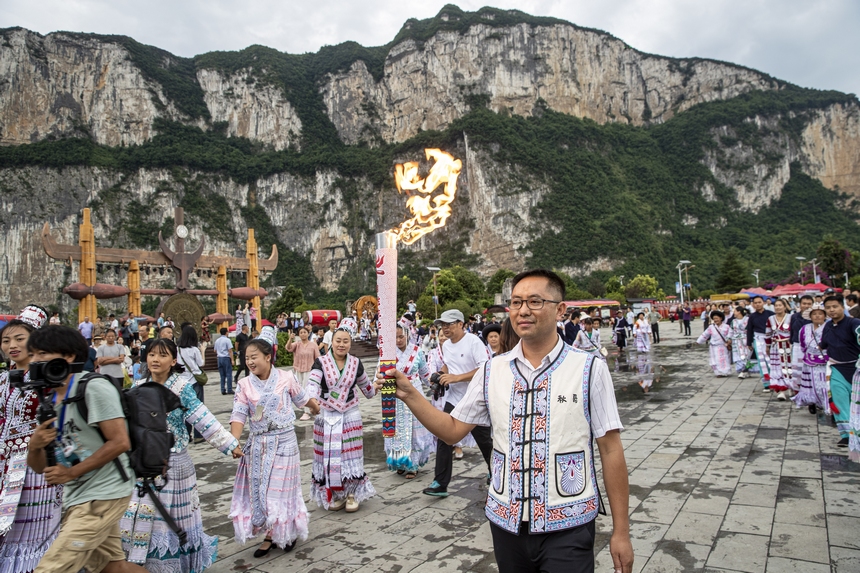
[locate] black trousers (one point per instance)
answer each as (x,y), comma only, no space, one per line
(566,551)
(242,366)
(198,389)
(445,453)
(686,328)
(655,332)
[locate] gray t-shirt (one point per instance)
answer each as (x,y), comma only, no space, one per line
(111,351)
(78,441)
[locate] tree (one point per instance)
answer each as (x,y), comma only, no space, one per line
(407,289)
(732,276)
(290,298)
(642,286)
(448,287)
(833,258)
(613,284)
(472,284)
(596,287)
(495,283)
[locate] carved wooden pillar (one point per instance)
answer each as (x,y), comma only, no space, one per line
(87,241)
(134,289)
(221,300)
(253,272)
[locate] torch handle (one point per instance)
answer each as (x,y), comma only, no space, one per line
(389,403)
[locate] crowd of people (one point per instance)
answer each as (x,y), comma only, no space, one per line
(460,382)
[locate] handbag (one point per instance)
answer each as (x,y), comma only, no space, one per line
(199,376)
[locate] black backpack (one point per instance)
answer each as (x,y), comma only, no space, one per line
(145,407)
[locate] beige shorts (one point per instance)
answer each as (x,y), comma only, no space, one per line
(89,538)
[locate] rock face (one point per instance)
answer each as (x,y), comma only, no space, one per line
(260,113)
(60,85)
(72,85)
(575,71)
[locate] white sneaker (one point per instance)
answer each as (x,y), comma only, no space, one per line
(765,390)
(742,375)
(337,505)
(351,504)
(781,396)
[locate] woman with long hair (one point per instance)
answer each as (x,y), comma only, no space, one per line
(30,509)
(507,338)
(338,473)
(267,496)
(146,538)
(304,353)
(778,336)
(191,360)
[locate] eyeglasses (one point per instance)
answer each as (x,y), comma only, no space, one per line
(533,303)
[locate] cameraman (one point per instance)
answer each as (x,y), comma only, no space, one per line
(95,495)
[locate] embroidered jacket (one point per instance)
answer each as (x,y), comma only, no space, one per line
(542,463)
(335,390)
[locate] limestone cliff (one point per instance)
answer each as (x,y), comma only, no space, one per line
(580,72)
(302,146)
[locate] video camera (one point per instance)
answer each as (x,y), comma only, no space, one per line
(41,378)
(437,388)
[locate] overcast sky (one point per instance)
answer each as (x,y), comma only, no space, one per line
(813,43)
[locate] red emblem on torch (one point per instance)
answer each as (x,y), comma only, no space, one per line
(380,260)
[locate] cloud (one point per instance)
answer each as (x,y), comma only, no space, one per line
(812,43)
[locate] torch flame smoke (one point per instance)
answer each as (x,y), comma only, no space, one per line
(428,212)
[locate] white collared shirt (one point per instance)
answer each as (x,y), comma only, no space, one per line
(472,409)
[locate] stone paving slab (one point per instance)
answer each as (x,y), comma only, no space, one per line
(723,478)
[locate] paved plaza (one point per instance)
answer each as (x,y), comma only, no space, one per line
(722,478)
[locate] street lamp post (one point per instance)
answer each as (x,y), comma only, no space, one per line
(755,274)
(681,280)
(435,296)
(800,270)
(846,280)
(815,271)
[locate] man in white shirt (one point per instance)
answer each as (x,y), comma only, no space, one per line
(542,502)
(326,343)
(464,354)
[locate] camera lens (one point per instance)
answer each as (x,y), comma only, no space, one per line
(56,370)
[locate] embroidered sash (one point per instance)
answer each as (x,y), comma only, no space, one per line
(399,447)
(338,384)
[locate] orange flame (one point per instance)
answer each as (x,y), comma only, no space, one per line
(428,212)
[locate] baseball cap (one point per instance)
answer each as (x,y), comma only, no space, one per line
(451,316)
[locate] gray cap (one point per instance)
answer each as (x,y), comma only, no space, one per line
(451,316)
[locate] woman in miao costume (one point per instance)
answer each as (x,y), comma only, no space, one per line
(146,538)
(338,470)
(588,338)
(30,509)
(778,335)
(740,352)
(267,496)
(813,378)
(717,336)
(642,333)
(410,448)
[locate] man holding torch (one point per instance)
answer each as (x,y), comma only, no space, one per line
(545,402)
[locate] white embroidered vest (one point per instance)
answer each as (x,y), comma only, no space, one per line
(553,418)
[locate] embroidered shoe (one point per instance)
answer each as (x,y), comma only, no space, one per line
(305,417)
(781,396)
(436,490)
(351,504)
(337,505)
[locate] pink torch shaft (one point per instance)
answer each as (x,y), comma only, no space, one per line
(386,297)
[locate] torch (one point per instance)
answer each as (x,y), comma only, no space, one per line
(429,212)
(386,296)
